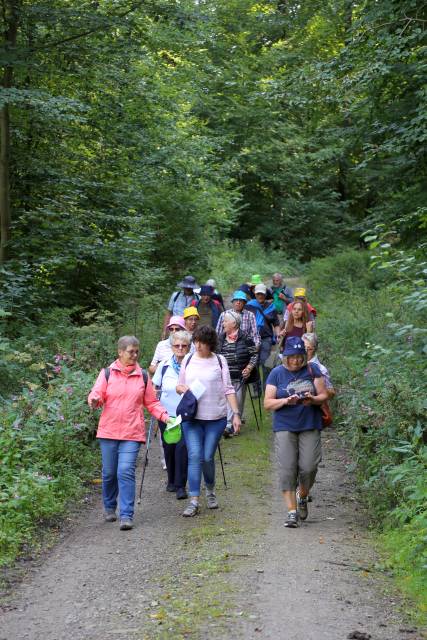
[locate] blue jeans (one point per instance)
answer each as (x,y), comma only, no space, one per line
(201,438)
(118,474)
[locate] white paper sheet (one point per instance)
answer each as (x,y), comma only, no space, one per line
(197,388)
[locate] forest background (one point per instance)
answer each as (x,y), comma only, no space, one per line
(140,141)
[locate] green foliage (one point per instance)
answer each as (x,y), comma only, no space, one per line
(234,262)
(46,429)
(373,339)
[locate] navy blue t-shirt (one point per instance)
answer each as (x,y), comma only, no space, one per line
(296,417)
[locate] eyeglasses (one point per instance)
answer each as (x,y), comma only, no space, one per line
(180,346)
(175,328)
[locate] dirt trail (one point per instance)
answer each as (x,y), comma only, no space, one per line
(312,583)
(233,573)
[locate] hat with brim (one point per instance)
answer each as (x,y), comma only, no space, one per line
(294,347)
(206,290)
(245,288)
(176,321)
(239,295)
(255,279)
(190,311)
(300,292)
(187,406)
(189,282)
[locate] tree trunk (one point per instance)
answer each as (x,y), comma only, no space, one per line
(5,218)
(10,30)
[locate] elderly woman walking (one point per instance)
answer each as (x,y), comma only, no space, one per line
(294,392)
(122,390)
(311,343)
(241,355)
(166,379)
(164,347)
(208,372)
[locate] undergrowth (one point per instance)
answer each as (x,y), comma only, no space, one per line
(373,340)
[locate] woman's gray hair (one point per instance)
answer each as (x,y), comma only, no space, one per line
(312,339)
(125,341)
(234,316)
(183,336)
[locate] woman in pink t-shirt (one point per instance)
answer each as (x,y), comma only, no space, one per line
(205,368)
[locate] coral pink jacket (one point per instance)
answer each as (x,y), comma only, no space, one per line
(123,399)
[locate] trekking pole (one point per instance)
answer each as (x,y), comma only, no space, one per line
(152,420)
(222,466)
(260,411)
(253,406)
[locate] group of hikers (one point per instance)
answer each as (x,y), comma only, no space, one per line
(209,355)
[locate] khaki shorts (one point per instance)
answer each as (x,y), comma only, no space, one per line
(298,455)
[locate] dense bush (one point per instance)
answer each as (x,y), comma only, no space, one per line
(46,429)
(374,343)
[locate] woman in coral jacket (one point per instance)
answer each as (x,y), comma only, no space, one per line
(122,390)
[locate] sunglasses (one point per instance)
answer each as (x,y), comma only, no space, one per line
(175,328)
(180,346)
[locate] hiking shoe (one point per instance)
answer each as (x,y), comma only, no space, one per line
(110,515)
(302,507)
(126,524)
(191,510)
(292,520)
(170,487)
(181,493)
(211,501)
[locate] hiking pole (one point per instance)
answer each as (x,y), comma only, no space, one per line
(150,428)
(260,411)
(253,406)
(222,466)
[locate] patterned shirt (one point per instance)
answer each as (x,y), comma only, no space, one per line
(247,325)
(179,301)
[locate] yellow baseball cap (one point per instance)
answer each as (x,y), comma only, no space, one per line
(190,311)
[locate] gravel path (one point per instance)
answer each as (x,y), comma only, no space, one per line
(315,582)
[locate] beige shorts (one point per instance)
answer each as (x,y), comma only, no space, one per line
(298,456)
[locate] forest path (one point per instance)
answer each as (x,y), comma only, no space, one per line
(233,573)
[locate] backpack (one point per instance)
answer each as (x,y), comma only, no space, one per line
(192,354)
(178,293)
(324,407)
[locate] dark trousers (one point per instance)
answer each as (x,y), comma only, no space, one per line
(176,460)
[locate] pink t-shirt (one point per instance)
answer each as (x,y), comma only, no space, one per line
(212,404)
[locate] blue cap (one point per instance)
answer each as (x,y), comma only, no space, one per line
(294,347)
(246,288)
(239,295)
(187,406)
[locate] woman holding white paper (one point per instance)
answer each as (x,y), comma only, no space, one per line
(207,376)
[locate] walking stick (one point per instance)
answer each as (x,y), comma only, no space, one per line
(222,466)
(152,421)
(253,407)
(260,411)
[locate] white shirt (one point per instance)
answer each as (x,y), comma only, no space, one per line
(163,351)
(169,397)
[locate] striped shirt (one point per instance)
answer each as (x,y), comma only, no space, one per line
(212,405)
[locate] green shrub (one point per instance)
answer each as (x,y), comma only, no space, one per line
(377,361)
